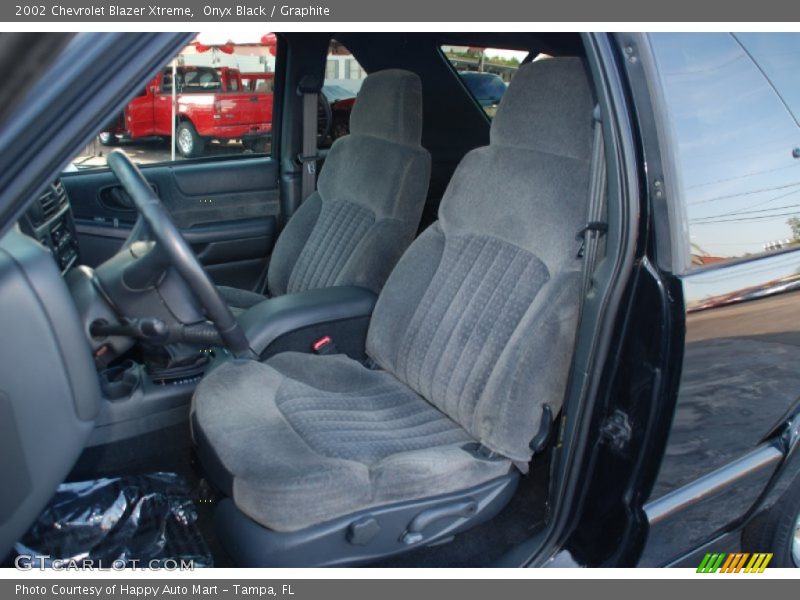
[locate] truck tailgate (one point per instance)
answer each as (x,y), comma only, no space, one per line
(246,109)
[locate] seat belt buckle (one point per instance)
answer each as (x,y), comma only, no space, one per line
(325,345)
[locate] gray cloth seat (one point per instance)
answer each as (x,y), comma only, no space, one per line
(368,204)
(473,333)
(325,435)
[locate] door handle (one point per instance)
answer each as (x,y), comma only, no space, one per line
(116,198)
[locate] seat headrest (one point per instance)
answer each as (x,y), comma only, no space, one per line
(547,107)
(389,106)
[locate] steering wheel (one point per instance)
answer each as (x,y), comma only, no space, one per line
(170,242)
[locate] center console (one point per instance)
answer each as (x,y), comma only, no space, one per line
(295,321)
(135,403)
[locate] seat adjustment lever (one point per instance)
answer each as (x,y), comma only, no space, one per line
(462,508)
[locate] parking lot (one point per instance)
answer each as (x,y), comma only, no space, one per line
(150,150)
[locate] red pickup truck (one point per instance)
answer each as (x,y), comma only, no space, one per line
(212,104)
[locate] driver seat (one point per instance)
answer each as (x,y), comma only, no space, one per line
(327,461)
(353,229)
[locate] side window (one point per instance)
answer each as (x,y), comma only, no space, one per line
(233,83)
(343,78)
(486,72)
(778,56)
(736,139)
(166,82)
(216,73)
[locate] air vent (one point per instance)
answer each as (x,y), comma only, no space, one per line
(50,203)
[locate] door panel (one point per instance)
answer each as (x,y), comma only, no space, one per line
(162,111)
(140,111)
(740,372)
(738,183)
(227,210)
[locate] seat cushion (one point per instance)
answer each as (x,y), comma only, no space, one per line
(308,438)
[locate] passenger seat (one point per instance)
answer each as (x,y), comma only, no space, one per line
(371,192)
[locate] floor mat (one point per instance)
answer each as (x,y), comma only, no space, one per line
(133,521)
(167,450)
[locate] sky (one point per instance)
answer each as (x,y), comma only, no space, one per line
(736,131)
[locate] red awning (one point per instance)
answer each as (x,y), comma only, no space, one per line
(226,48)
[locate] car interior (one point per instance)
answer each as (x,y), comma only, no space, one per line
(354,356)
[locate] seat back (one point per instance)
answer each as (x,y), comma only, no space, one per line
(370,195)
(479,315)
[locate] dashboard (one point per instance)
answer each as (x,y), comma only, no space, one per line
(49,221)
(49,393)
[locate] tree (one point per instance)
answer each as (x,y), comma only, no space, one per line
(794,223)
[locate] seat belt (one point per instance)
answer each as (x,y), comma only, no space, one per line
(309,88)
(595,225)
(589,236)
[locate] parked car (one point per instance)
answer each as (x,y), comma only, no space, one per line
(559,337)
(212,104)
(340,102)
(487,88)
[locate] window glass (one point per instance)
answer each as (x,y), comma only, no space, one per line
(216,76)
(486,72)
(353,69)
(343,78)
(778,56)
(233,82)
(738,174)
(331,69)
(258,82)
(194,80)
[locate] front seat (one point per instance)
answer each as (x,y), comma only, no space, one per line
(327,461)
(369,201)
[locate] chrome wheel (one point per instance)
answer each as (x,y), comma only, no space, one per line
(185,142)
(796,543)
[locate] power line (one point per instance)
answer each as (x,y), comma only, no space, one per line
(732,243)
(747,193)
(745,212)
(754,173)
(748,208)
(765,217)
(778,197)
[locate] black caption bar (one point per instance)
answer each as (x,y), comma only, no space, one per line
(446,11)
